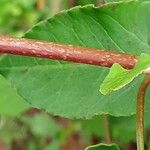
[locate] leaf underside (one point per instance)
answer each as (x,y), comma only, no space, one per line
(72,90)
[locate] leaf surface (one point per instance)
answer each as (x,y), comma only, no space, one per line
(103,147)
(72,90)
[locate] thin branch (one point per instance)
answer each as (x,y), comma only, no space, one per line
(107,131)
(140,113)
(35,48)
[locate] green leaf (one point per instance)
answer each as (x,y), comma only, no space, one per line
(10,103)
(41,125)
(72,90)
(118,77)
(103,147)
(108,1)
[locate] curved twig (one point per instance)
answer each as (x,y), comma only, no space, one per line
(140,112)
(35,48)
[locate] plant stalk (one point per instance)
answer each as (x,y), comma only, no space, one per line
(107,131)
(140,113)
(50,50)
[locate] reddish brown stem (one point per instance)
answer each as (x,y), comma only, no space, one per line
(140,113)
(34,48)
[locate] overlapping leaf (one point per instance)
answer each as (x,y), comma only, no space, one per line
(118,77)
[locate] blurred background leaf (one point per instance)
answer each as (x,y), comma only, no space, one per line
(18,16)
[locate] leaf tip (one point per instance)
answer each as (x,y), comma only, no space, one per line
(103,91)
